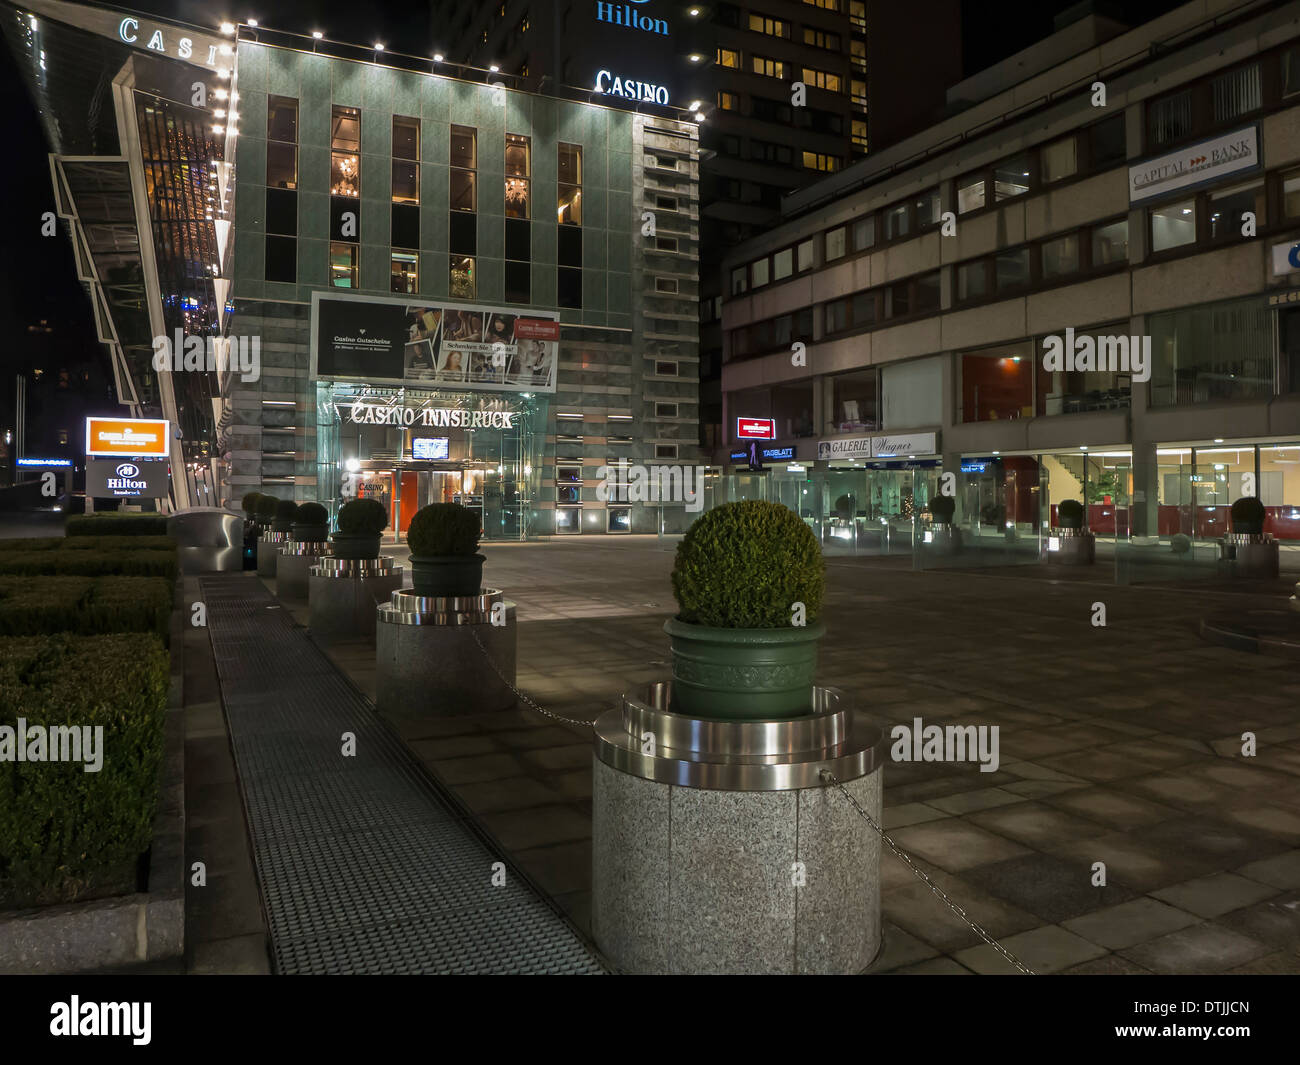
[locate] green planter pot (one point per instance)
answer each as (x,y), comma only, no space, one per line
(310,534)
(743,674)
(447,576)
(356,547)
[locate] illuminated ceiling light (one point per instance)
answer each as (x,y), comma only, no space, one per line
(694,12)
(1083,447)
(695,57)
(494,68)
(696,105)
(317,34)
(437,57)
(1218,440)
(234,116)
(699,116)
(220,94)
(227,28)
(252,22)
(218,129)
(223,73)
(378,47)
(34,25)
(225,50)
(220,112)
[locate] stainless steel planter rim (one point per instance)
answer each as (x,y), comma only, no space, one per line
(270,536)
(827,726)
(353,568)
(860,749)
(305,547)
(407,601)
(389,616)
(1248,538)
(1070,534)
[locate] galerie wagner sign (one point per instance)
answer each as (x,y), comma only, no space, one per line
(434,345)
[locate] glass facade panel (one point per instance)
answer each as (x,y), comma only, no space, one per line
(997,383)
(1221,351)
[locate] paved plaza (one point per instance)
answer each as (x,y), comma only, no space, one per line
(1119,744)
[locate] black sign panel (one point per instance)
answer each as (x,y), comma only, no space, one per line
(360,339)
(126,478)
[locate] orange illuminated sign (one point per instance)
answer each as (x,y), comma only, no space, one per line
(135,437)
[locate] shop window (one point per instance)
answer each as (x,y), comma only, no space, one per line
(619,520)
(1060,256)
(1227,206)
(1236,93)
(835,241)
(462,280)
(1110,243)
(1173,225)
(970,193)
(405,272)
(345,152)
(343,265)
(1060,160)
(519,170)
(1213,352)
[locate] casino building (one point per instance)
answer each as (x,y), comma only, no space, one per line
(454,289)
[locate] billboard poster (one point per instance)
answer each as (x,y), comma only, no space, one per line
(406,341)
(128,437)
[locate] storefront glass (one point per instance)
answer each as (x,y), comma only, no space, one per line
(410,447)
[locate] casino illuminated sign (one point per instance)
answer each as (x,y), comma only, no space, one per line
(430,417)
(606,81)
(154,40)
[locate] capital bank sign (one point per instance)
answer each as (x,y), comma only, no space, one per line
(629,17)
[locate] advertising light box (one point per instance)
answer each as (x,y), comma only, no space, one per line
(126,437)
(755,429)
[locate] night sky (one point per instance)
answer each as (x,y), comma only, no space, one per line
(40,280)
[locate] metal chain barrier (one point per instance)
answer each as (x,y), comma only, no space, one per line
(828,777)
(520,695)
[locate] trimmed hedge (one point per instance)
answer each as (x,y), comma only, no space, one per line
(115,524)
(94,563)
(443,529)
(66,834)
(86,605)
(117,543)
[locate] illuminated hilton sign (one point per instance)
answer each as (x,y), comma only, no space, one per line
(628,16)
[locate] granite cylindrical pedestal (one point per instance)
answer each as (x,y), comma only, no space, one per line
(719,847)
(297,557)
(445,656)
(1072,547)
(942,538)
(1255,556)
(344,595)
(268,552)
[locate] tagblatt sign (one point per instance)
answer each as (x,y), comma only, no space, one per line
(1204,161)
(461,347)
(121,479)
(131,437)
(861,447)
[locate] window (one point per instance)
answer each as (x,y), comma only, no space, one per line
(667,203)
(666,285)
(997,383)
(1173,225)
(666,244)
(758,273)
(783,264)
(406,160)
(1227,206)
(821,39)
(771,68)
(665,451)
(804,255)
(570,203)
(897,222)
(1012,269)
(858,15)
(1291,71)
(728,58)
(345,152)
(728,101)
(862,309)
(1169,118)
(858,91)
(1291,194)
(739,281)
(823,79)
(835,242)
(1060,160)
(864,233)
(837,316)
(665,410)
(462,280)
(281,259)
(519,165)
(1236,93)
(853,402)
(569,287)
(666,369)
(568,474)
(1110,243)
(858,50)
(282,212)
(1106,145)
(1012,178)
(343,265)
(970,193)
(927,209)
(820,161)
(406,272)
(770,153)
(773,27)
(972,280)
(1212,352)
(282,143)
(464,169)
(859,133)
(1061,256)
(519,282)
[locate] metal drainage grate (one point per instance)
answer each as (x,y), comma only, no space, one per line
(365,867)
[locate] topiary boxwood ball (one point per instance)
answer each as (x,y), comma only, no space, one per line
(311,524)
(1069,514)
(1248,516)
(361,526)
(942,508)
(266,507)
(444,540)
(749,582)
(285,512)
(743,565)
(249,503)
(844,507)
(1180,543)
